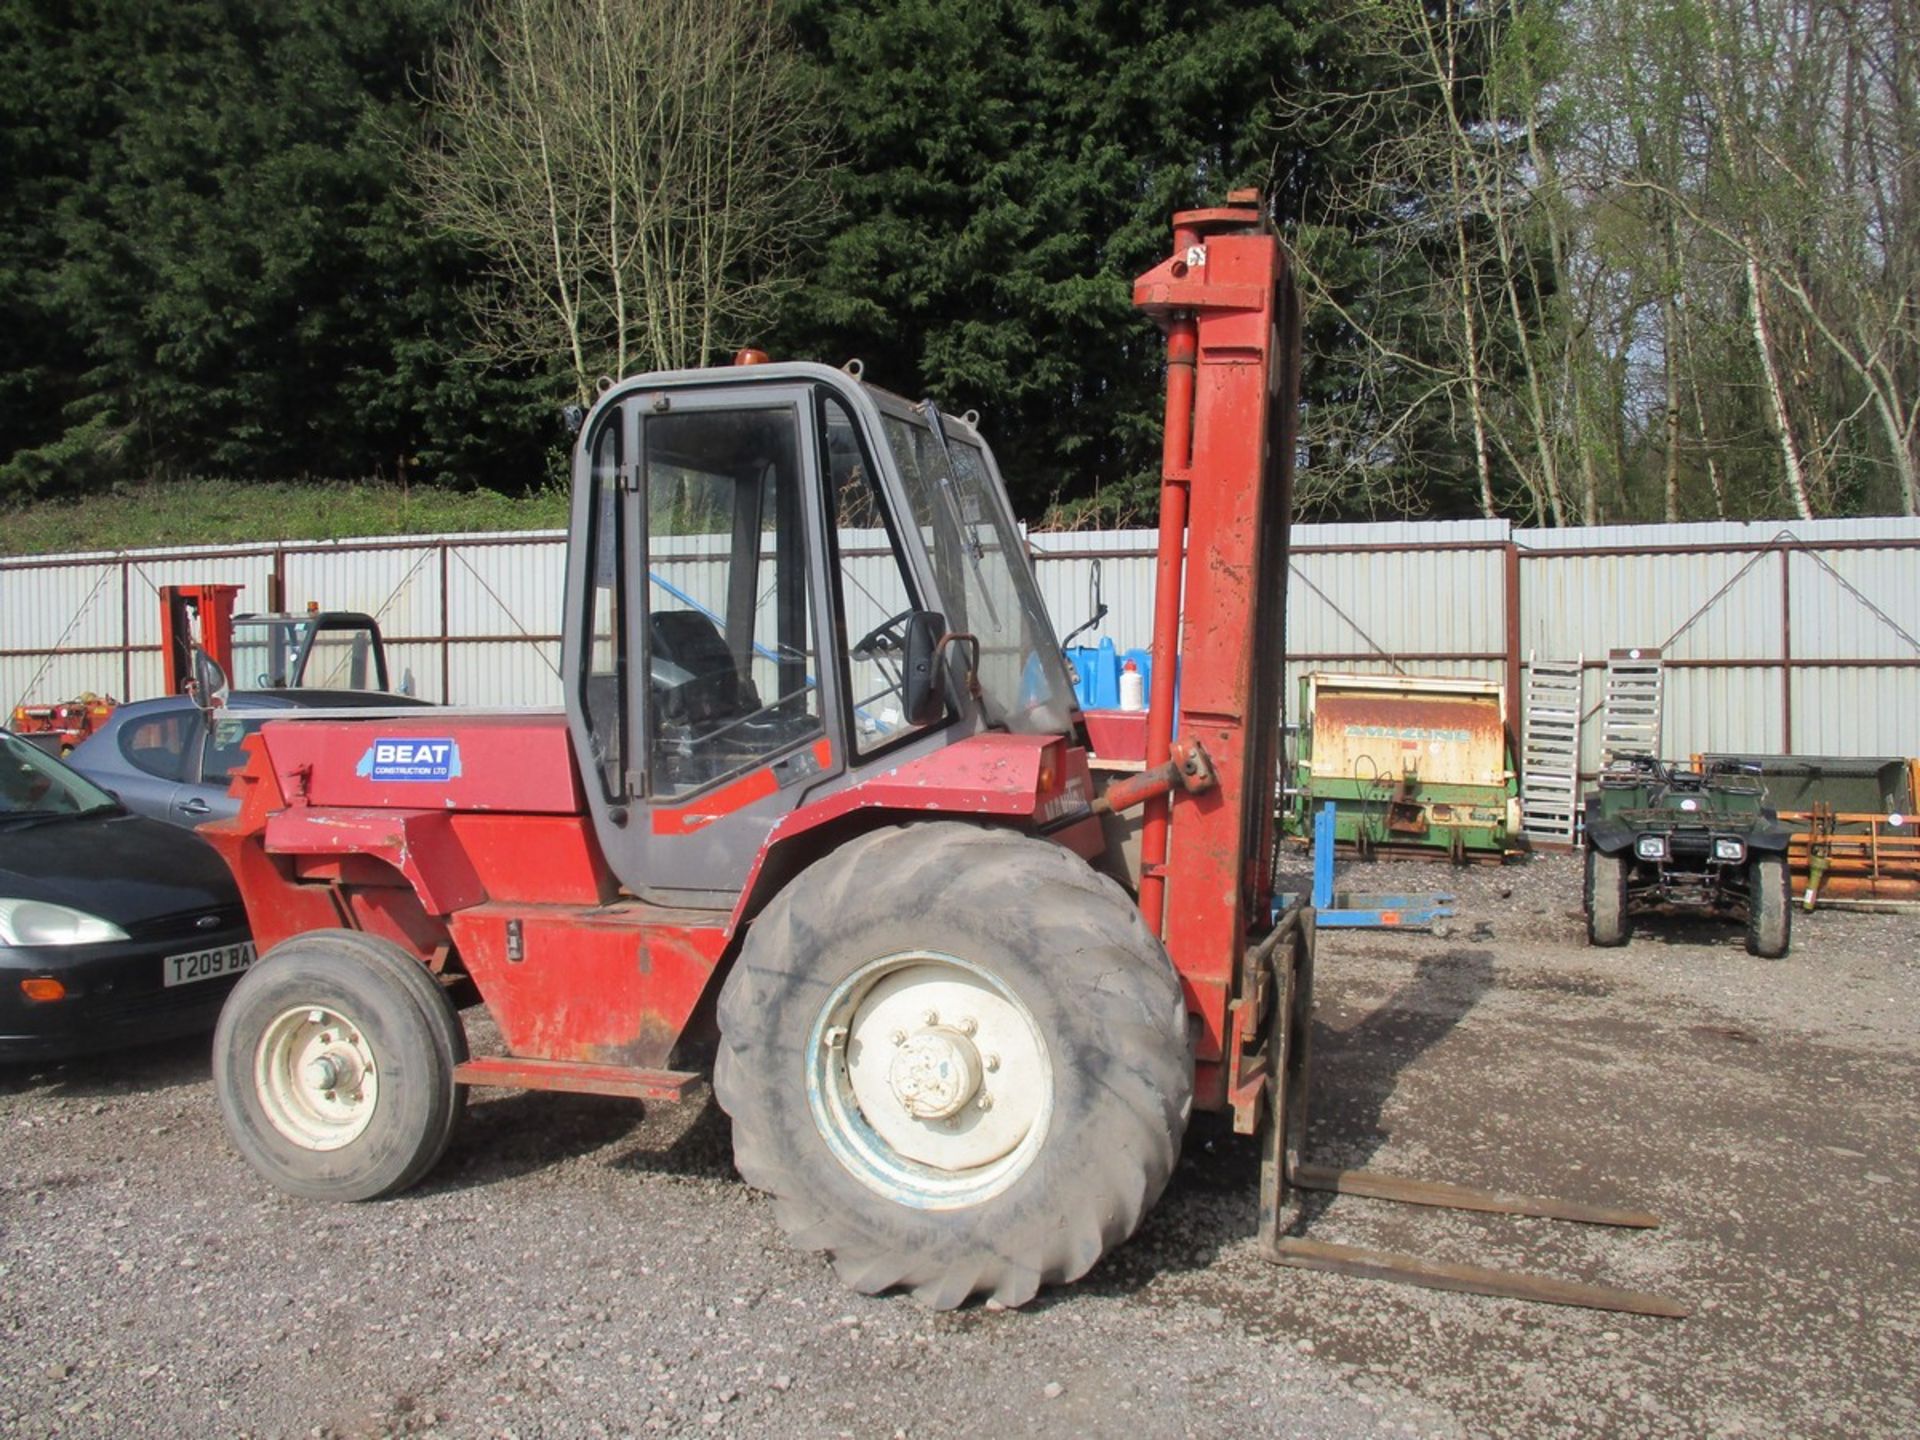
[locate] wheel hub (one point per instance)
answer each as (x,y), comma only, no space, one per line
(315,1078)
(935,1073)
(932,1080)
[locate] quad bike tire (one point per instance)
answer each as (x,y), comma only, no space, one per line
(923,967)
(1769,907)
(1609,921)
(337,1005)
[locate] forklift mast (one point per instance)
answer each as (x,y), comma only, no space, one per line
(1226,302)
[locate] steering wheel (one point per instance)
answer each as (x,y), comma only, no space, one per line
(883,639)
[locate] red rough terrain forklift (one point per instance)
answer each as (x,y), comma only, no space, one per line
(820,808)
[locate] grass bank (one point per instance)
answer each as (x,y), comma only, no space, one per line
(219,512)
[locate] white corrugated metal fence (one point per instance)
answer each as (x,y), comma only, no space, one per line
(1796,636)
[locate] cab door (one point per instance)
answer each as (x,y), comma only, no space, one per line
(728,706)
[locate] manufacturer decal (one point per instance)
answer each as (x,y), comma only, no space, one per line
(1410,732)
(410,759)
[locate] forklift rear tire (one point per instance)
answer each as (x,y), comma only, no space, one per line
(438,1004)
(1769,907)
(1609,922)
(957,1060)
(333,1065)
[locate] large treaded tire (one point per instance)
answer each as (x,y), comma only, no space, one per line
(1769,907)
(1067,947)
(1609,921)
(405,1023)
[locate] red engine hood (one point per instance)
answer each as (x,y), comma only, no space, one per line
(432,760)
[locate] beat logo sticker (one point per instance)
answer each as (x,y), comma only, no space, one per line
(410,759)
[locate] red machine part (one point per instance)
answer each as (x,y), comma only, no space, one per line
(1225,303)
(72,720)
(508,872)
(195,615)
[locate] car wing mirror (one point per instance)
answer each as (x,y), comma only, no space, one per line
(209,686)
(923,696)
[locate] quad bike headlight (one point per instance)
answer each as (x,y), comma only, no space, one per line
(1726,848)
(1651,847)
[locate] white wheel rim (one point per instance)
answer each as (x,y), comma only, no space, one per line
(315,1077)
(929,1080)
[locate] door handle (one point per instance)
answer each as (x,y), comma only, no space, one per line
(195,806)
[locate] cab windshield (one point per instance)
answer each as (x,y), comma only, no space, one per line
(981,569)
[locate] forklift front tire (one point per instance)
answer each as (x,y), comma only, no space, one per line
(333,1079)
(957,1060)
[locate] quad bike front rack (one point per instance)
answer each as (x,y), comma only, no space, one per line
(1288,950)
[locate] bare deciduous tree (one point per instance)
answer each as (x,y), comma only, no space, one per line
(1646,257)
(639,174)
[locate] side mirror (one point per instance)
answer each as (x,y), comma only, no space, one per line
(209,682)
(924,696)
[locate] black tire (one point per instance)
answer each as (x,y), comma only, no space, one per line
(1097,1012)
(1609,921)
(442,1014)
(379,1012)
(1769,907)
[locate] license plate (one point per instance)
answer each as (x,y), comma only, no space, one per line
(207,964)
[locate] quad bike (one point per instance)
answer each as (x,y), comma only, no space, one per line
(1665,834)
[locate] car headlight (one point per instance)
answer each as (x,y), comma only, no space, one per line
(1726,849)
(39,922)
(1651,847)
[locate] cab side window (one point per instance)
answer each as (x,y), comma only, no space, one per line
(875,592)
(732,663)
(603,678)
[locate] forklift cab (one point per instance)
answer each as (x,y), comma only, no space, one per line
(764,564)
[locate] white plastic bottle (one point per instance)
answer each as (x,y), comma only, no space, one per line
(1133,687)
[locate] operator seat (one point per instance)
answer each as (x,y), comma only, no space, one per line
(697,686)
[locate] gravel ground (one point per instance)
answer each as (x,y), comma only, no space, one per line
(581,1267)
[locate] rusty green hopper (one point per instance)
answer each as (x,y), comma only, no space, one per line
(1411,763)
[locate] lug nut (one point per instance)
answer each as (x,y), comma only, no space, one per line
(985,1102)
(969,1026)
(992,1062)
(899,1037)
(932,1017)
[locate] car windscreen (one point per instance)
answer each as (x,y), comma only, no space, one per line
(34,783)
